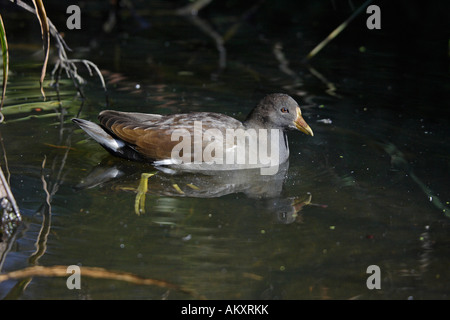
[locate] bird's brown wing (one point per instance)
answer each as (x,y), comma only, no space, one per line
(140,131)
(151,135)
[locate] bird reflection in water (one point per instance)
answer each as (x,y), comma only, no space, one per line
(267,189)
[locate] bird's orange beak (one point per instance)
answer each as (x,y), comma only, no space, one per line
(301,124)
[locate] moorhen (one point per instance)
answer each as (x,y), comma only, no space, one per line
(210,141)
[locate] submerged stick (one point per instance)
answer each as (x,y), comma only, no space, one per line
(93,272)
(398,160)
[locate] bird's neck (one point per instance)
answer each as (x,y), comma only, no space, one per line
(255,121)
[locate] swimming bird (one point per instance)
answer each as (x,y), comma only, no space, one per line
(210,141)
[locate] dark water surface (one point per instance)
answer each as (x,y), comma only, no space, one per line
(370,188)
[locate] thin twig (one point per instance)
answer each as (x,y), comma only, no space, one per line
(335,32)
(193,8)
(63,61)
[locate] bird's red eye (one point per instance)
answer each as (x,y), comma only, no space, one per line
(284,110)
